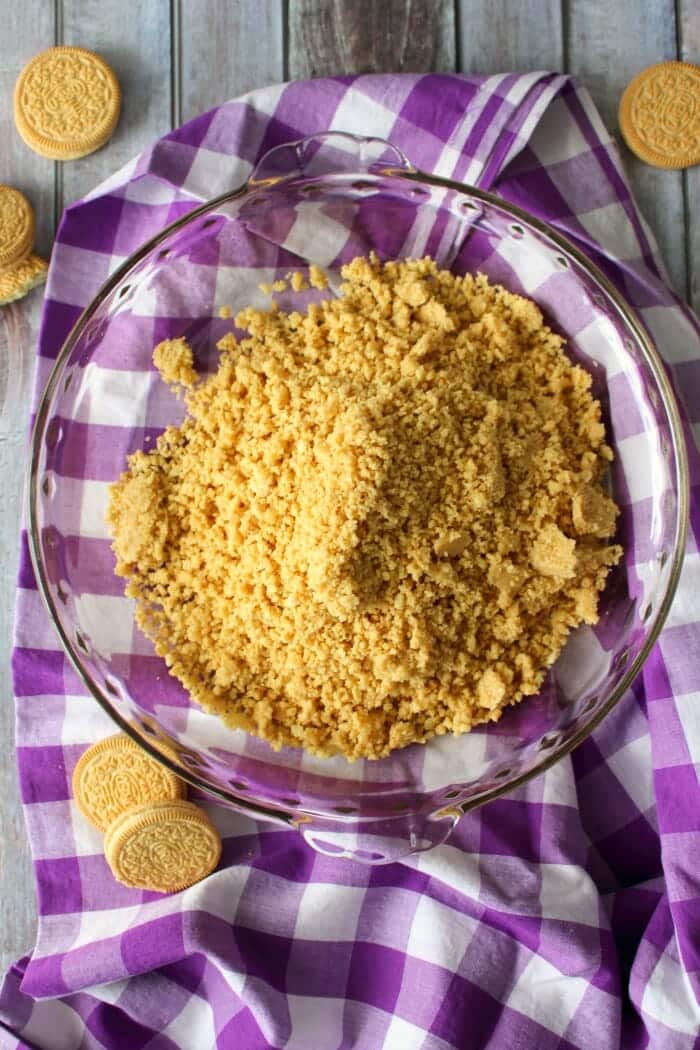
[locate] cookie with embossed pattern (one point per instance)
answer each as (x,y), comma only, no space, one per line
(660,115)
(163,846)
(67,102)
(19,278)
(16,225)
(115,775)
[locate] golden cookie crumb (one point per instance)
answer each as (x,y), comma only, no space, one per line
(553,553)
(298,281)
(267,287)
(162,846)
(174,360)
(593,512)
(368,529)
(225,312)
(115,774)
(491,690)
(317,277)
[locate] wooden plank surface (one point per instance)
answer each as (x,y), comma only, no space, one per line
(362,36)
(607,43)
(689,41)
(525,35)
(30,29)
(225,48)
(136,43)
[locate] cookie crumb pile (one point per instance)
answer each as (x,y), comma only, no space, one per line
(381,517)
(154,838)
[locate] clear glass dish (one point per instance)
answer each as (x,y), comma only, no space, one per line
(325,200)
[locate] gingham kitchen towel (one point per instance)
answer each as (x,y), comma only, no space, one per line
(565,915)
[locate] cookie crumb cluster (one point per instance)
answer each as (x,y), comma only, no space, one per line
(381,517)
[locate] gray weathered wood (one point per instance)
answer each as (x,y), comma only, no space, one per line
(18,330)
(227,47)
(361,36)
(136,43)
(520,35)
(607,44)
(689,38)
(29,30)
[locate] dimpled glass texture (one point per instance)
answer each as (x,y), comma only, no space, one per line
(325,200)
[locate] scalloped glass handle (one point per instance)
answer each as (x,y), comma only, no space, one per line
(378,841)
(329,153)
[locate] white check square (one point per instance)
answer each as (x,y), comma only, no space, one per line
(546,995)
(439,934)
(329,913)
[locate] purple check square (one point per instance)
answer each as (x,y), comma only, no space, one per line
(59,889)
(678,798)
(48,781)
(509,827)
(154,943)
(102,214)
(375,975)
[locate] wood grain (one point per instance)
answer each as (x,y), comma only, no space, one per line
(136,43)
(226,47)
(361,36)
(30,29)
(689,39)
(525,35)
(608,43)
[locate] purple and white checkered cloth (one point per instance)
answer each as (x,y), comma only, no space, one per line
(565,915)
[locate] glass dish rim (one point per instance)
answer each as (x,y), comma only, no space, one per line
(623,310)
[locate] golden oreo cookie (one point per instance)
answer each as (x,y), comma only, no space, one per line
(16,225)
(163,846)
(67,103)
(660,115)
(115,775)
(21,277)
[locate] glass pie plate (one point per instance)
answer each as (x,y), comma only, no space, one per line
(324,200)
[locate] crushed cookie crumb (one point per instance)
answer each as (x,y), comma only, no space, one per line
(225,312)
(174,360)
(298,281)
(317,277)
(267,287)
(381,517)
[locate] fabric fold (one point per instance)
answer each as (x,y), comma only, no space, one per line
(562,915)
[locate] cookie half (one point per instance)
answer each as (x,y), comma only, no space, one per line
(162,846)
(660,115)
(67,102)
(115,775)
(16,225)
(19,278)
